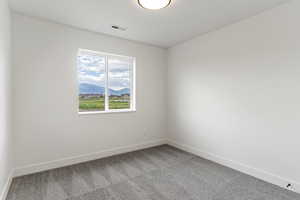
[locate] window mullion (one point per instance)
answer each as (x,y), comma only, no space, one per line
(106,103)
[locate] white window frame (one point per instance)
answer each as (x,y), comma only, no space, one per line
(106,102)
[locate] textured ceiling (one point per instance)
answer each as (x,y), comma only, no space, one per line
(181,21)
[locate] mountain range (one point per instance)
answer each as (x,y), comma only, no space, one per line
(86,88)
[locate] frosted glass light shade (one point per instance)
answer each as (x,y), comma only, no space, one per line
(154,4)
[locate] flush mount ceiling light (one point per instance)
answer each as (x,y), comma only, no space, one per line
(154,4)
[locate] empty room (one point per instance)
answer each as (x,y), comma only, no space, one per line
(149,100)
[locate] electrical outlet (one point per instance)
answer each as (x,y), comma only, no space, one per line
(289,187)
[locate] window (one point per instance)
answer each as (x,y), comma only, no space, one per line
(106,82)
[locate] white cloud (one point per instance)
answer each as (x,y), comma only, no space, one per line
(95,80)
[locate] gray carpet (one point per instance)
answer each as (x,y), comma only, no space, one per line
(160,173)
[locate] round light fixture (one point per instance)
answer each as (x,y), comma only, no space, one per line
(154,4)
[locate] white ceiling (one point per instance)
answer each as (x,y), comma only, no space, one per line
(183,20)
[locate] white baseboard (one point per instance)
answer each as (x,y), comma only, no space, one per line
(260,174)
(34,168)
(5,190)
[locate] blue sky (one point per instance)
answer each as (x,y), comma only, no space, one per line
(91,70)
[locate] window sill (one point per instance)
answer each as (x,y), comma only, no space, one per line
(106,112)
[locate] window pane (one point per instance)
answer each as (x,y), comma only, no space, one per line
(119,73)
(91,72)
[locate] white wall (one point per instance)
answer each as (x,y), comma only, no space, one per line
(47,126)
(5,136)
(234,94)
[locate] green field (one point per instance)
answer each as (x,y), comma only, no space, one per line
(97,103)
